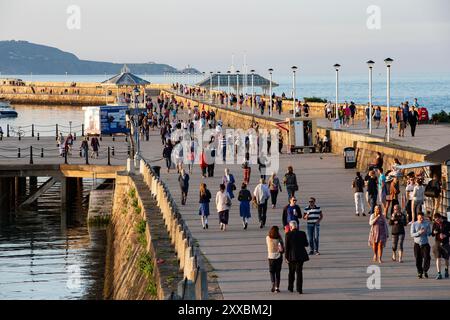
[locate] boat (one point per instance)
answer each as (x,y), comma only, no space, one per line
(6,111)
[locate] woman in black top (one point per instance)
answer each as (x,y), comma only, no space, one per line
(203,211)
(398,222)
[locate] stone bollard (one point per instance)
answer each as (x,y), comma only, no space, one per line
(130,166)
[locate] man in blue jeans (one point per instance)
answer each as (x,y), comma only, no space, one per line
(313,216)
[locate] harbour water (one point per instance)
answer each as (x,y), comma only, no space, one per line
(44,255)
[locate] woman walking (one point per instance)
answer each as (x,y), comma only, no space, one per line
(290,181)
(274,188)
(229,181)
(203,211)
(398,222)
(417,198)
(378,233)
(244,198)
(223,204)
(275,250)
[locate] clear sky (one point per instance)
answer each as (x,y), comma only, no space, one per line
(312,34)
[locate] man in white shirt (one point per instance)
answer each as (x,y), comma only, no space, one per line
(262,194)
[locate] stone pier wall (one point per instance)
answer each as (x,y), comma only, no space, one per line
(63,93)
(141,264)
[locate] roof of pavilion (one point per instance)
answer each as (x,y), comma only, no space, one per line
(243,80)
(125,78)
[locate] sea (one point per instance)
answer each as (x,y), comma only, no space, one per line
(432,90)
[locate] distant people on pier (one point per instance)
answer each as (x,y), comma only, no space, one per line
(95,145)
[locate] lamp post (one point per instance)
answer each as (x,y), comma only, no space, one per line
(136,128)
(228,100)
(270,92)
(237,83)
(218,80)
(294,69)
(337,67)
(388,62)
(370,63)
(253,89)
(210,85)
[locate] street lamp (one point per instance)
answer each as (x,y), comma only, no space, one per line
(337,67)
(136,128)
(388,62)
(210,85)
(370,63)
(237,83)
(228,100)
(253,89)
(294,69)
(218,80)
(270,92)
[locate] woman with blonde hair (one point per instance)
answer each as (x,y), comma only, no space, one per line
(378,233)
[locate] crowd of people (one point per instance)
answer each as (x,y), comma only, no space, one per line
(388,206)
(383,198)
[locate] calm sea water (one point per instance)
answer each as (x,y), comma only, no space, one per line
(432,90)
(43,256)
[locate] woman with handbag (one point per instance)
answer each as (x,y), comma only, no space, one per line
(275,250)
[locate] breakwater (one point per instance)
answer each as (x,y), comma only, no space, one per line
(66,93)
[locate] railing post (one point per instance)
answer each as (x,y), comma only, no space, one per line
(56,131)
(42,152)
(7,130)
(113,151)
(38,135)
(74,136)
(31,154)
(18,152)
(129,150)
(32,130)
(109,156)
(82,129)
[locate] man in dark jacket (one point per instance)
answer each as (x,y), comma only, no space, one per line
(296,255)
(372,190)
(183,179)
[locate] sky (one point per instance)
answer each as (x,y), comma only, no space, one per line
(311,34)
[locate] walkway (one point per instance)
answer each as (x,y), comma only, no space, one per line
(239,257)
(428,137)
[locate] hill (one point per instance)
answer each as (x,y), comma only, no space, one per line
(23,57)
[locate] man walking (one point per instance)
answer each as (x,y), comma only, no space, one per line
(413,118)
(262,194)
(296,255)
(313,216)
(183,179)
(420,231)
(372,191)
(358,190)
(441,248)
